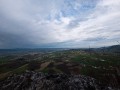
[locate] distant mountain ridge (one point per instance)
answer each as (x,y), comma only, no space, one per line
(114,49)
(27,50)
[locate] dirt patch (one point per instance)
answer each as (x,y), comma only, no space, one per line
(44,65)
(58,63)
(75,70)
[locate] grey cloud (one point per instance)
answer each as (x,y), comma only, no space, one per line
(8,40)
(58,23)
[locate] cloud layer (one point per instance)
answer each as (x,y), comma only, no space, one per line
(59,23)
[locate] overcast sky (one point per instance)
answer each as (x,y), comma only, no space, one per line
(59,23)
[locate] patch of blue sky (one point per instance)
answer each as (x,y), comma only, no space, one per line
(85,6)
(70,9)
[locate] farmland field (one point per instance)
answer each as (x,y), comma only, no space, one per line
(104,67)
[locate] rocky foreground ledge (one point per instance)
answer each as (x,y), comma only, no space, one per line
(39,81)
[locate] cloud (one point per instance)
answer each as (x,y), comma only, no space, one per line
(59,23)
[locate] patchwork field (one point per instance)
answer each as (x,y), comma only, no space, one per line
(105,67)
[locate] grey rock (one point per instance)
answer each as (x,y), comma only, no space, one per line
(39,81)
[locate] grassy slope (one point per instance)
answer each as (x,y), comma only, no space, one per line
(98,65)
(20,69)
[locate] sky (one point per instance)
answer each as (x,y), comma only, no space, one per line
(59,23)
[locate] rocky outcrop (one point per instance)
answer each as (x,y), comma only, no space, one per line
(40,81)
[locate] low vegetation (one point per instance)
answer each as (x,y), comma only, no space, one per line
(105,67)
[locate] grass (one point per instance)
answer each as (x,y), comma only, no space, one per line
(15,71)
(94,65)
(98,65)
(20,69)
(95,60)
(5,69)
(5,59)
(4,75)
